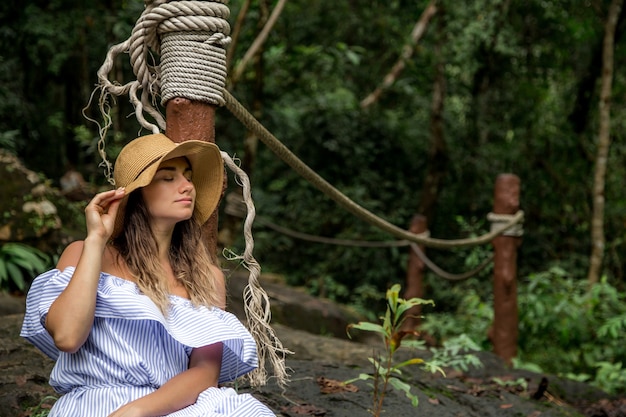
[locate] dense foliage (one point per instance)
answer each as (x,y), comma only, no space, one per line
(564,327)
(520,95)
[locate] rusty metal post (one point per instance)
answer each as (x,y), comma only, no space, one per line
(414,286)
(504,331)
(194,120)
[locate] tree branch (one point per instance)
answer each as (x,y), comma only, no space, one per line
(407,51)
(258,42)
(236,31)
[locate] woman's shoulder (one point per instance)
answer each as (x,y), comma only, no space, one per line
(71,255)
(112,262)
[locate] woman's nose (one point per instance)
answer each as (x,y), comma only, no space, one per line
(186,185)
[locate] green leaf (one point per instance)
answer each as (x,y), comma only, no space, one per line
(16,276)
(393,294)
(406,388)
(419,301)
(414,344)
(17,250)
(23,263)
(361,377)
(414,361)
(4,274)
(368,327)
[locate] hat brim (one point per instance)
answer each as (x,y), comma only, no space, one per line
(207,169)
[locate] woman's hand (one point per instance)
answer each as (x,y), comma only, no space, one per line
(101,211)
(183,389)
(128,410)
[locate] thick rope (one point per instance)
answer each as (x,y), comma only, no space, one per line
(324,186)
(194,77)
(235,206)
(447,275)
(258,319)
(380,244)
(497,220)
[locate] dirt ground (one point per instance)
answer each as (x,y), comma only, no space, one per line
(315,388)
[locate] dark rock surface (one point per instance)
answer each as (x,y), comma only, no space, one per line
(320,362)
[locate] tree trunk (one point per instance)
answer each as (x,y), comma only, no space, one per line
(579,116)
(604,142)
(438,153)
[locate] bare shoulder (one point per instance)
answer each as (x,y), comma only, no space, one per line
(71,255)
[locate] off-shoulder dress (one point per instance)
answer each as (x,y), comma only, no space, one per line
(133,349)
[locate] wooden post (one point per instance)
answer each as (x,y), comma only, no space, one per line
(194,120)
(189,120)
(414,286)
(504,332)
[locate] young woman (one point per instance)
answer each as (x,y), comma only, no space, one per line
(133,314)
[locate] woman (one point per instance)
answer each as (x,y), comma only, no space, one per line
(133,315)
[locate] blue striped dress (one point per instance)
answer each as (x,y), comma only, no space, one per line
(133,349)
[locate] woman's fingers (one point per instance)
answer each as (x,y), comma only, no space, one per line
(101,211)
(101,201)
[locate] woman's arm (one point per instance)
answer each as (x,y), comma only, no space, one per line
(183,389)
(70,316)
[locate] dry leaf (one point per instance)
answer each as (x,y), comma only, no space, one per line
(332,386)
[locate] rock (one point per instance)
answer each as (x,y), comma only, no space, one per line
(294,307)
(74,187)
(25,370)
(10,304)
(33,212)
(320,362)
(27,211)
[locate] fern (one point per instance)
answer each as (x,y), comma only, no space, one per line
(18,263)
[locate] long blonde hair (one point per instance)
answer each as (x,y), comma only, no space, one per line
(188,256)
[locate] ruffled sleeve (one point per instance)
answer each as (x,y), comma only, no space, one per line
(121,299)
(38,301)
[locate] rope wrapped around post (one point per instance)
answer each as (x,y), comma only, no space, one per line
(177,49)
(498,221)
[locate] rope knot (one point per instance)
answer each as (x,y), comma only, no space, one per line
(498,221)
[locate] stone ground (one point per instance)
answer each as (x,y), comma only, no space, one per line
(319,363)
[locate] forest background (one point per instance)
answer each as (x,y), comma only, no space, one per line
(489,87)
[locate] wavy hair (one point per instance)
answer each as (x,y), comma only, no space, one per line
(188,255)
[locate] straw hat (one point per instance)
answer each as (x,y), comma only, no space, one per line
(139,160)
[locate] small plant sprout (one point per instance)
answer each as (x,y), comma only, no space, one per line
(43,408)
(386,372)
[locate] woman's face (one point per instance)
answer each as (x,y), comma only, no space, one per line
(171,196)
